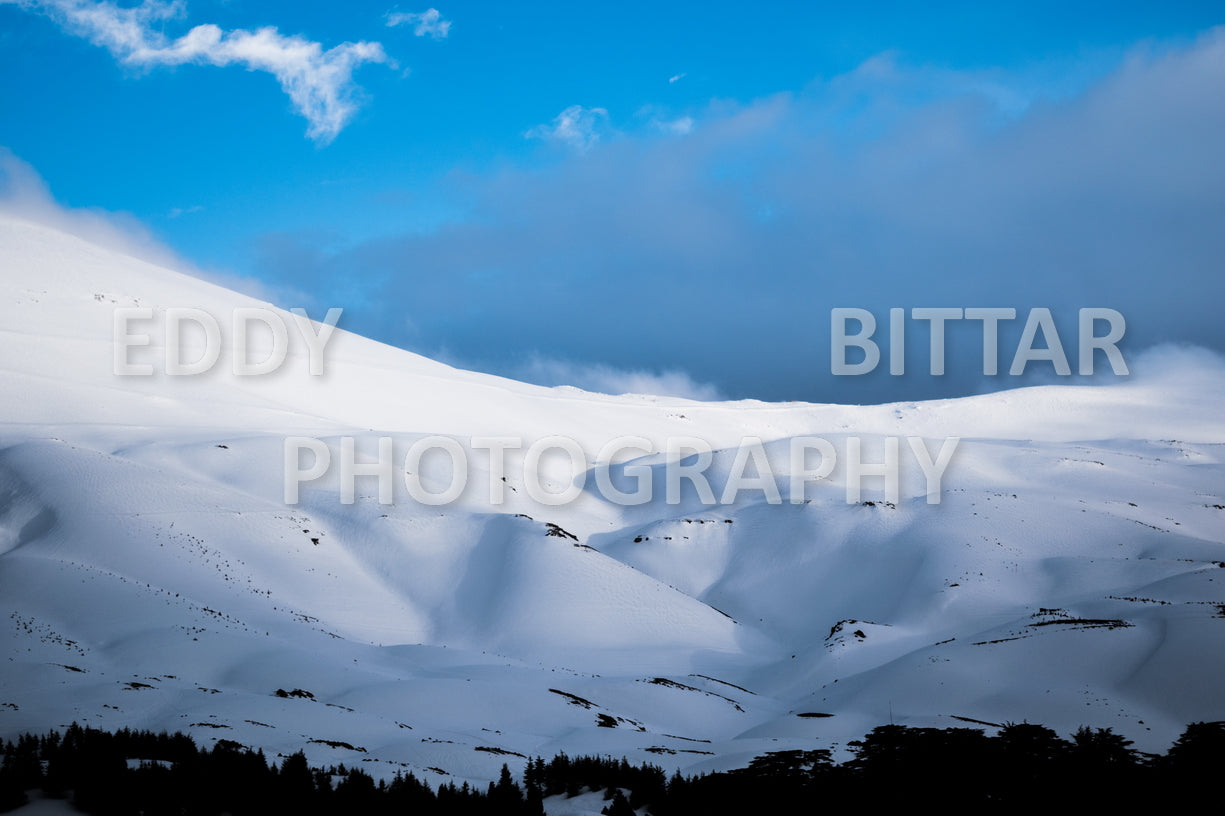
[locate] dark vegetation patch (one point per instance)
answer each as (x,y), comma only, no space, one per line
(842,625)
(338,744)
(499,751)
(663,681)
(551,529)
(1017,770)
(978,722)
(574,699)
(724,682)
(299,693)
(1086,623)
(998,640)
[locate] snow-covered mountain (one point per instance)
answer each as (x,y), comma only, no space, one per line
(153,575)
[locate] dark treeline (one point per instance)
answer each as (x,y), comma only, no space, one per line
(1022,767)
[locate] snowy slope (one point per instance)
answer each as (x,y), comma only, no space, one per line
(151,573)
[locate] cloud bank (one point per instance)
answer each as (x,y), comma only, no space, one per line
(720,251)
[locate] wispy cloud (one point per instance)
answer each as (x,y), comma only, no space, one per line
(428,23)
(176,212)
(672,80)
(576,126)
(319,82)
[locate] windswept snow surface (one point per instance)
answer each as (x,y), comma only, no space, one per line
(152,574)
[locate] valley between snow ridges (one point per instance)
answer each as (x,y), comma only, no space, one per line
(152,575)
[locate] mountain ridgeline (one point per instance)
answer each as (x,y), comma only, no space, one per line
(154,577)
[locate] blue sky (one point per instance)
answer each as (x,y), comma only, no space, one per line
(628,196)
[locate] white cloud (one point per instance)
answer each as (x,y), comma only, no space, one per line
(606,379)
(428,23)
(1177,364)
(576,126)
(25,196)
(319,82)
(672,80)
(674,127)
